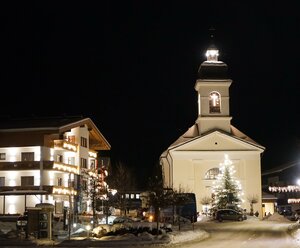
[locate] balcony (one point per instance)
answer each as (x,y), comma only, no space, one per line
(25,165)
(88,172)
(92,154)
(35,165)
(37,190)
(65,145)
(65,167)
(60,190)
(26,190)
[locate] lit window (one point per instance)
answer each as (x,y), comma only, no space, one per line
(127,196)
(2,181)
(131,196)
(212,173)
(2,156)
(71,138)
(59,181)
(214,102)
(83,163)
(27,156)
(212,54)
(59,158)
(27,181)
(83,142)
(92,164)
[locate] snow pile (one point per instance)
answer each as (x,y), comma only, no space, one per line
(6,227)
(277,217)
(178,237)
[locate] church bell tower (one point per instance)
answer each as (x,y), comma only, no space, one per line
(212,86)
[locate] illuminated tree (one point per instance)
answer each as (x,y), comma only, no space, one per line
(227,190)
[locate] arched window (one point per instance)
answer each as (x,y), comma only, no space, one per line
(212,173)
(214,102)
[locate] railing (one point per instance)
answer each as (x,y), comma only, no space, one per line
(60,190)
(66,167)
(31,190)
(92,154)
(28,189)
(63,144)
(25,165)
(36,165)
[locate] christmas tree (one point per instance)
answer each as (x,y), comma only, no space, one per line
(226,189)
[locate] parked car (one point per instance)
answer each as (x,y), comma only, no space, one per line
(294,216)
(230,214)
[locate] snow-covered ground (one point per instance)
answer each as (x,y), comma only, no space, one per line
(186,233)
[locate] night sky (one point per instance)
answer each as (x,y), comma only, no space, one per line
(131,66)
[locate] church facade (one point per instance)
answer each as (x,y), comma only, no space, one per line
(192,163)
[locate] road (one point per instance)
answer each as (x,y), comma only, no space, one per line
(245,234)
(233,234)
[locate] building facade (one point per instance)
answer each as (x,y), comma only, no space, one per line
(192,162)
(48,160)
(283,183)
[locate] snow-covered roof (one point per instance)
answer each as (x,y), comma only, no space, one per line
(267,196)
(280,168)
(55,124)
(193,133)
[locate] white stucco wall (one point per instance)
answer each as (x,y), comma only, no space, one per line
(189,175)
(190,163)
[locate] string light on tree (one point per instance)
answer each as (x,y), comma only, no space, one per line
(227,190)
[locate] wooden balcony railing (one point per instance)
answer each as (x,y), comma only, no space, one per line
(63,144)
(37,190)
(26,190)
(25,165)
(35,165)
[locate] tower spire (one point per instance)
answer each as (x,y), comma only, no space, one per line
(212,34)
(212,52)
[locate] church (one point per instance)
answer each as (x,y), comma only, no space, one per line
(192,163)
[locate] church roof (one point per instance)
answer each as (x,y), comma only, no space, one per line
(193,133)
(215,70)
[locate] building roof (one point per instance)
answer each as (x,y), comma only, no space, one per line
(55,124)
(280,168)
(37,122)
(268,196)
(216,70)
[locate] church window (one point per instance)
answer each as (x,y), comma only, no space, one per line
(214,102)
(212,173)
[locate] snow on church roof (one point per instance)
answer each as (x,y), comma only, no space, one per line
(193,133)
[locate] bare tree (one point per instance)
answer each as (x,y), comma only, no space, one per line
(159,197)
(121,178)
